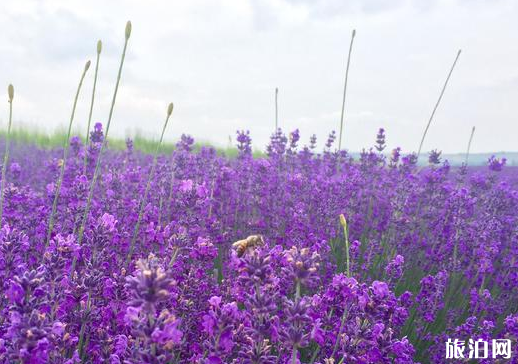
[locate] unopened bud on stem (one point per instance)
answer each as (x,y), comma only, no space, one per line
(99,47)
(128,29)
(87,65)
(343,222)
(354,33)
(170,109)
(10,92)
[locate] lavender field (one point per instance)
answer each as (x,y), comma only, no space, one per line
(419,255)
(299,255)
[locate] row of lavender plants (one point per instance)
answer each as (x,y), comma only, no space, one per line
(366,261)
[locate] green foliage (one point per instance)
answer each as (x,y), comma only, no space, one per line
(56,139)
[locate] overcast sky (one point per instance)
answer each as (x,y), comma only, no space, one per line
(220,61)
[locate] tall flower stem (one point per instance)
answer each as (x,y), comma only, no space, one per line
(469,145)
(170,196)
(437,104)
(148,186)
(343,222)
(294,355)
(276,109)
(297,299)
(99,49)
(10,92)
(340,331)
(103,145)
(66,147)
(80,344)
(345,89)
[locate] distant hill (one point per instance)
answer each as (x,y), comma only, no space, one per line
(475,159)
(479,159)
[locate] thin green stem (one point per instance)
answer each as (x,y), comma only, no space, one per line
(276,109)
(297,299)
(345,89)
(347,262)
(297,291)
(212,192)
(103,146)
(80,345)
(343,222)
(314,355)
(148,186)
(65,156)
(99,48)
(340,330)
(469,145)
(437,105)
(10,91)
(170,197)
(294,355)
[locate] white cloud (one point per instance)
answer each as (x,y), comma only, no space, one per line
(220,61)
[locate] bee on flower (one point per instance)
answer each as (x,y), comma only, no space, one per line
(248,244)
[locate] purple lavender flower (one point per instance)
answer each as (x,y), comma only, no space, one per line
(75,143)
(97,135)
(330,140)
(15,169)
(244,143)
(496,164)
(185,143)
(394,156)
(294,139)
(313,142)
(150,285)
(301,266)
(395,267)
(129,145)
(435,157)
(380,140)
